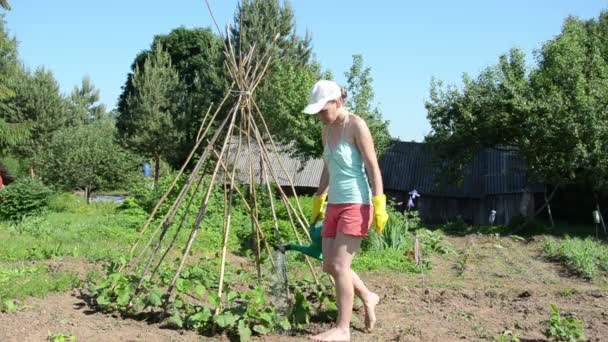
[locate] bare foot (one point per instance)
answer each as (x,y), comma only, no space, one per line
(370,310)
(333,335)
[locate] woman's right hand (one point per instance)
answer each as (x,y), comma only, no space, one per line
(318,207)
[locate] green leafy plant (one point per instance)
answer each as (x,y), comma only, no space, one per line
(506,336)
(563,328)
(432,241)
(22,198)
(587,257)
(61,337)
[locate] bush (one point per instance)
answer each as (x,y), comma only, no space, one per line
(23,198)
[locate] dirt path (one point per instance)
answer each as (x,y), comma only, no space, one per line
(492,286)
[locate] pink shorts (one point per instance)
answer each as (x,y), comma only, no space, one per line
(348,219)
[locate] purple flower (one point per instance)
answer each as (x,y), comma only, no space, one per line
(410,202)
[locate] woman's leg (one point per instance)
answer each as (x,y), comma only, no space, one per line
(369,300)
(337,262)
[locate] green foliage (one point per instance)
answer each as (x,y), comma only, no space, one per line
(22,198)
(93,232)
(553,115)
(390,259)
(42,108)
(397,233)
(115,292)
(587,257)
(85,100)
(488,112)
(132,215)
(147,123)
(197,57)
(432,241)
(292,72)
(506,336)
(61,337)
(23,282)
(360,100)
(87,157)
(11,133)
(563,328)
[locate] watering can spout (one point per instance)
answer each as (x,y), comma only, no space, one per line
(313,250)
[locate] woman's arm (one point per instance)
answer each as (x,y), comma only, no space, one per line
(324,181)
(365,144)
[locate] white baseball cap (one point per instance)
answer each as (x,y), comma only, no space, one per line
(322,92)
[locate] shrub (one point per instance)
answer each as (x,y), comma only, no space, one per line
(23,198)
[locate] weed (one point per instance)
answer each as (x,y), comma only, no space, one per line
(506,336)
(60,337)
(563,328)
(587,257)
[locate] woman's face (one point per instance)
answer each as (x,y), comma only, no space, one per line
(329,112)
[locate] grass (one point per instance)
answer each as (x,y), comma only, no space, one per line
(36,281)
(587,257)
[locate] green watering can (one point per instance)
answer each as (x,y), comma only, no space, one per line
(313,250)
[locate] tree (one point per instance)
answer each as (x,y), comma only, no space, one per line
(147,123)
(361,101)
(40,106)
(87,157)
(11,133)
(5,5)
(197,56)
(489,112)
(259,22)
(555,116)
(284,91)
(571,113)
(85,101)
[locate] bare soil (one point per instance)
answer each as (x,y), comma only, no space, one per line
(492,285)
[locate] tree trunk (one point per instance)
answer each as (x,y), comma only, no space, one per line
(548,204)
(87,195)
(32,172)
(597,207)
(156,170)
(547,200)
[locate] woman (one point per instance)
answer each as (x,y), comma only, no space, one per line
(348,154)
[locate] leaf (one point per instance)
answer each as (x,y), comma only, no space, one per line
(176,320)
(231,296)
(10,306)
(201,316)
(266,317)
(200,290)
(260,329)
(285,325)
(214,299)
(103,300)
(180,285)
(225,319)
(155,298)
(244,331)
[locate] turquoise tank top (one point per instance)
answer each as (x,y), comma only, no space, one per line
(347,178)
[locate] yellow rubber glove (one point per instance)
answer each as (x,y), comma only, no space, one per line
(318,207)
(380,214)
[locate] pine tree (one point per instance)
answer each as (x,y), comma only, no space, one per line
(147,124)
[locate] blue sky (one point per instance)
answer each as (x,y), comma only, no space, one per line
(404,42)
